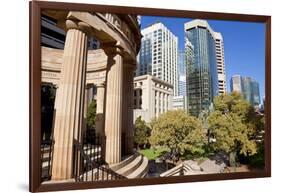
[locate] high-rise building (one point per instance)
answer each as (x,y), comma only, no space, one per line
(182,72)
(158,54)
(220,62)
(236,83)
(248,87)
(179,102)
(202,74)
(189,63)
(53,36)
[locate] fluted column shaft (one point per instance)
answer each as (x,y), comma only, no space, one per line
(113,112)
(161,103)
(166,102)
(169,102)
(157,103)
(128,102)
(100,117)
(100,109)
(70,100)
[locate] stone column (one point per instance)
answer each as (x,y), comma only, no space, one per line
(128,107)
(113,108)
(166,102)
(138,98)
(100,109)
(161,102)
(86,101)
(157,103)
(170,101)
(100,116)
(89,94)
(70,99)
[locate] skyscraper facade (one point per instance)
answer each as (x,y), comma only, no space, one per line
(248,87)
(158,55)
(53,36)
(236,83)
(202,75)
(182,72)
(220,62)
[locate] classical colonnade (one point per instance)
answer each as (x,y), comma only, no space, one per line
(72,71)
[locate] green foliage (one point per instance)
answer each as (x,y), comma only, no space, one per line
(91,114)
(142,132)
(152,154)
(234,125)
(179,132)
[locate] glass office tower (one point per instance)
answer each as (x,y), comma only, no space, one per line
(202,77)
(248,87)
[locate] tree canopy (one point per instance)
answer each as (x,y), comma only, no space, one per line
(142,132)
(232,126)
(91,115)
(178,131)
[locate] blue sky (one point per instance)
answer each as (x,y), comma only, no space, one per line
(244,45)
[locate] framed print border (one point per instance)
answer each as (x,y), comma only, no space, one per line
(35,8)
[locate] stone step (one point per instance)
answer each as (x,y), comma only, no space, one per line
(97,175)
(131,167)
(141,171)
(124,162)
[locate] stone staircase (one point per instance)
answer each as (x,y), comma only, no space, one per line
(133,166)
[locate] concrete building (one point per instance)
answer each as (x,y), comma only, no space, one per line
(75,69)
(53,36)
(202,75)
(236,84)
(220,62)
(180,102)
(152,97)
(158,54)
(248,87)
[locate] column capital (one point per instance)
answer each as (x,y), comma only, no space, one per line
(100,85)
(79,25)
(112,48)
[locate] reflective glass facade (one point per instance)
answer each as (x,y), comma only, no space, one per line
(145,56)
(202,77)
(248,87)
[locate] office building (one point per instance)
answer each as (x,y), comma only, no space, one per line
(53,36)
(236,83)
(180,102)
(158,54)
(152,97)
(220,62)
(248,87)
(202,74)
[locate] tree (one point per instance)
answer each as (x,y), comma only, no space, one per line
(91,115)
(232,126)
(180,132)
(142,132)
